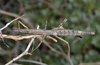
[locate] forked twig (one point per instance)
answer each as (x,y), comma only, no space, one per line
(10,23)
(54,50)
(7,26)
(38,44)
(24,53)
(65,56)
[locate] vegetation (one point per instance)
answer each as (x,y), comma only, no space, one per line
(81,14)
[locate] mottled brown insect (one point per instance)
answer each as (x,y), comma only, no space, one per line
(59,31)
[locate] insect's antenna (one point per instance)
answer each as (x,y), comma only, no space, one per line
(39,43)
(45,25)
(67,43)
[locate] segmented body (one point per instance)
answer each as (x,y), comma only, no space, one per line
(62,32)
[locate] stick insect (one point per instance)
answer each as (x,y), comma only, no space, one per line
(59,31)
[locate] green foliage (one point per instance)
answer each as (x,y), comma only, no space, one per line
(81,14)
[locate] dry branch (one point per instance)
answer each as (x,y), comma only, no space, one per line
(24,53)
(15,15)
(18,37)
(31,61)
(23,37)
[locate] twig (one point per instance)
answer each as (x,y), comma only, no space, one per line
(15,15)
(31,61)
(18,37)
(7,26)
(39,43)
(24,53)
(24,37)
(10,23)
(23,25)
(62,23)
(65,56)
(54,50)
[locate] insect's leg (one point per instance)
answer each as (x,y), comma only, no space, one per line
(39,43)
(51,38)
(65,42)
(61,25)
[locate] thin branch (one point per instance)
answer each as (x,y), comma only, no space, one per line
(15,15)
(65,56)
(62,23)
(39,43)
(24,53)
(23,25)
(10,23)
(31,61)
(24,37)
(54,50)
(18,37)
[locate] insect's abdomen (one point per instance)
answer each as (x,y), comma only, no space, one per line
(73,33)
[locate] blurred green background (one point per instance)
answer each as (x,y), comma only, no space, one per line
(81,14)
